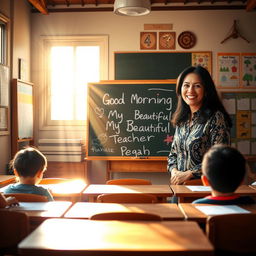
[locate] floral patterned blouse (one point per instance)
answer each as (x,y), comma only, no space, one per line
(192,141)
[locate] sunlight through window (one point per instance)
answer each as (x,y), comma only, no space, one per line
(72,67)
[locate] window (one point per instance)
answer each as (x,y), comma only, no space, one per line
(71,63)
(3,39)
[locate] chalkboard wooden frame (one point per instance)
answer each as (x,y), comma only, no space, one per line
(96,115)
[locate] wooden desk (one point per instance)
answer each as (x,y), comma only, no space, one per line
(185,195)
(7,179)
(160,191)
(191,213)
(85,210)
(38,212)
(67,237)
(71,190)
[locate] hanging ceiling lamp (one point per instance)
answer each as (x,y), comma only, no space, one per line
(132,7)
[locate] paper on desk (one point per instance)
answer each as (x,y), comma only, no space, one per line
(35,206)
(220,209)
(199,188)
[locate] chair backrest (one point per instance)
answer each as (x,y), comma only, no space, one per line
(125,216)
(233,233)
(126,198)
(196,182)
(14,227)
(129,182)
(53,180)
(25,197)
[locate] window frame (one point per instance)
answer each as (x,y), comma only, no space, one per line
(5,40)
(45,121)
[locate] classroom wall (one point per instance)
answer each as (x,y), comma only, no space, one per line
(210,27)
(18,11)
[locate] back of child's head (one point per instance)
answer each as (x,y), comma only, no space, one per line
(224,167)
(28,162)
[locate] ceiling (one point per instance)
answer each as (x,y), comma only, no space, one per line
(48,6)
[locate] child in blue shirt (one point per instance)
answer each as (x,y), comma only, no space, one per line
(29,165)
(223,168)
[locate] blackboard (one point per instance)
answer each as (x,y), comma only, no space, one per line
(157,65)
(130,119)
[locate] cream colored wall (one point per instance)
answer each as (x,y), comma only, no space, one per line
(18,11)
(21,37)
(210,27)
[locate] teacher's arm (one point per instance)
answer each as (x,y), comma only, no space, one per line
(177,177)
(219,131)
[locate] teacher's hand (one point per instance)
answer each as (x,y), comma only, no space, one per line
(178,177)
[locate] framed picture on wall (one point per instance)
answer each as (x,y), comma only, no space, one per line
(3,120)
(248,70)
(228,68)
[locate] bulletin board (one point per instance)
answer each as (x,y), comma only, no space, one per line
(241,106)
(22,114)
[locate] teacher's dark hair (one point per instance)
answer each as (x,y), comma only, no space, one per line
(211,101)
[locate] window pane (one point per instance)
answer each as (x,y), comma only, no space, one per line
(72,67)
(87,67)
(61,83)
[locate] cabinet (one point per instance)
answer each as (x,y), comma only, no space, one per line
(70,170)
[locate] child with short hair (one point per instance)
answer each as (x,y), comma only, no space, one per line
(29,165)
(223,169)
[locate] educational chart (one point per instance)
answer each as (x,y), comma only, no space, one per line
(25,110)
(130,119)
(228,70)
(248,63)
(242,108)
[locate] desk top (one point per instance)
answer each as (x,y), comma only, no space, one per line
(86,237)
(86,210)
(6,179)
(183,191)
(157,190)
(70,188)
(193,214)
(43,210)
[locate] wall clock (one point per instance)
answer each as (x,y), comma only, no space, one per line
(167,40)
(187,40)
(147,40)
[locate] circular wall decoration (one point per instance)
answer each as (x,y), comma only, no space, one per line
(187,39)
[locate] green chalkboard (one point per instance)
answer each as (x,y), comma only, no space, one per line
(130,119)
(151,65)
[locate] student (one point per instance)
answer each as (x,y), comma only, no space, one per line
(223,169)
(7,201)
(29,165)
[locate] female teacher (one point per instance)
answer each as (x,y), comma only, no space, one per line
(200,120)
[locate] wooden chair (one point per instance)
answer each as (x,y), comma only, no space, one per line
(196,182)
(129,182)
(125,216)
(14,227)
(53,180)
(232,234)
(126,198)
(25,197)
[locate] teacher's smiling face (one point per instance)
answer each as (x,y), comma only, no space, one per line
(192,91)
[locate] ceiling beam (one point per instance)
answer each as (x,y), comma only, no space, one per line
(40,5)
(251,4)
